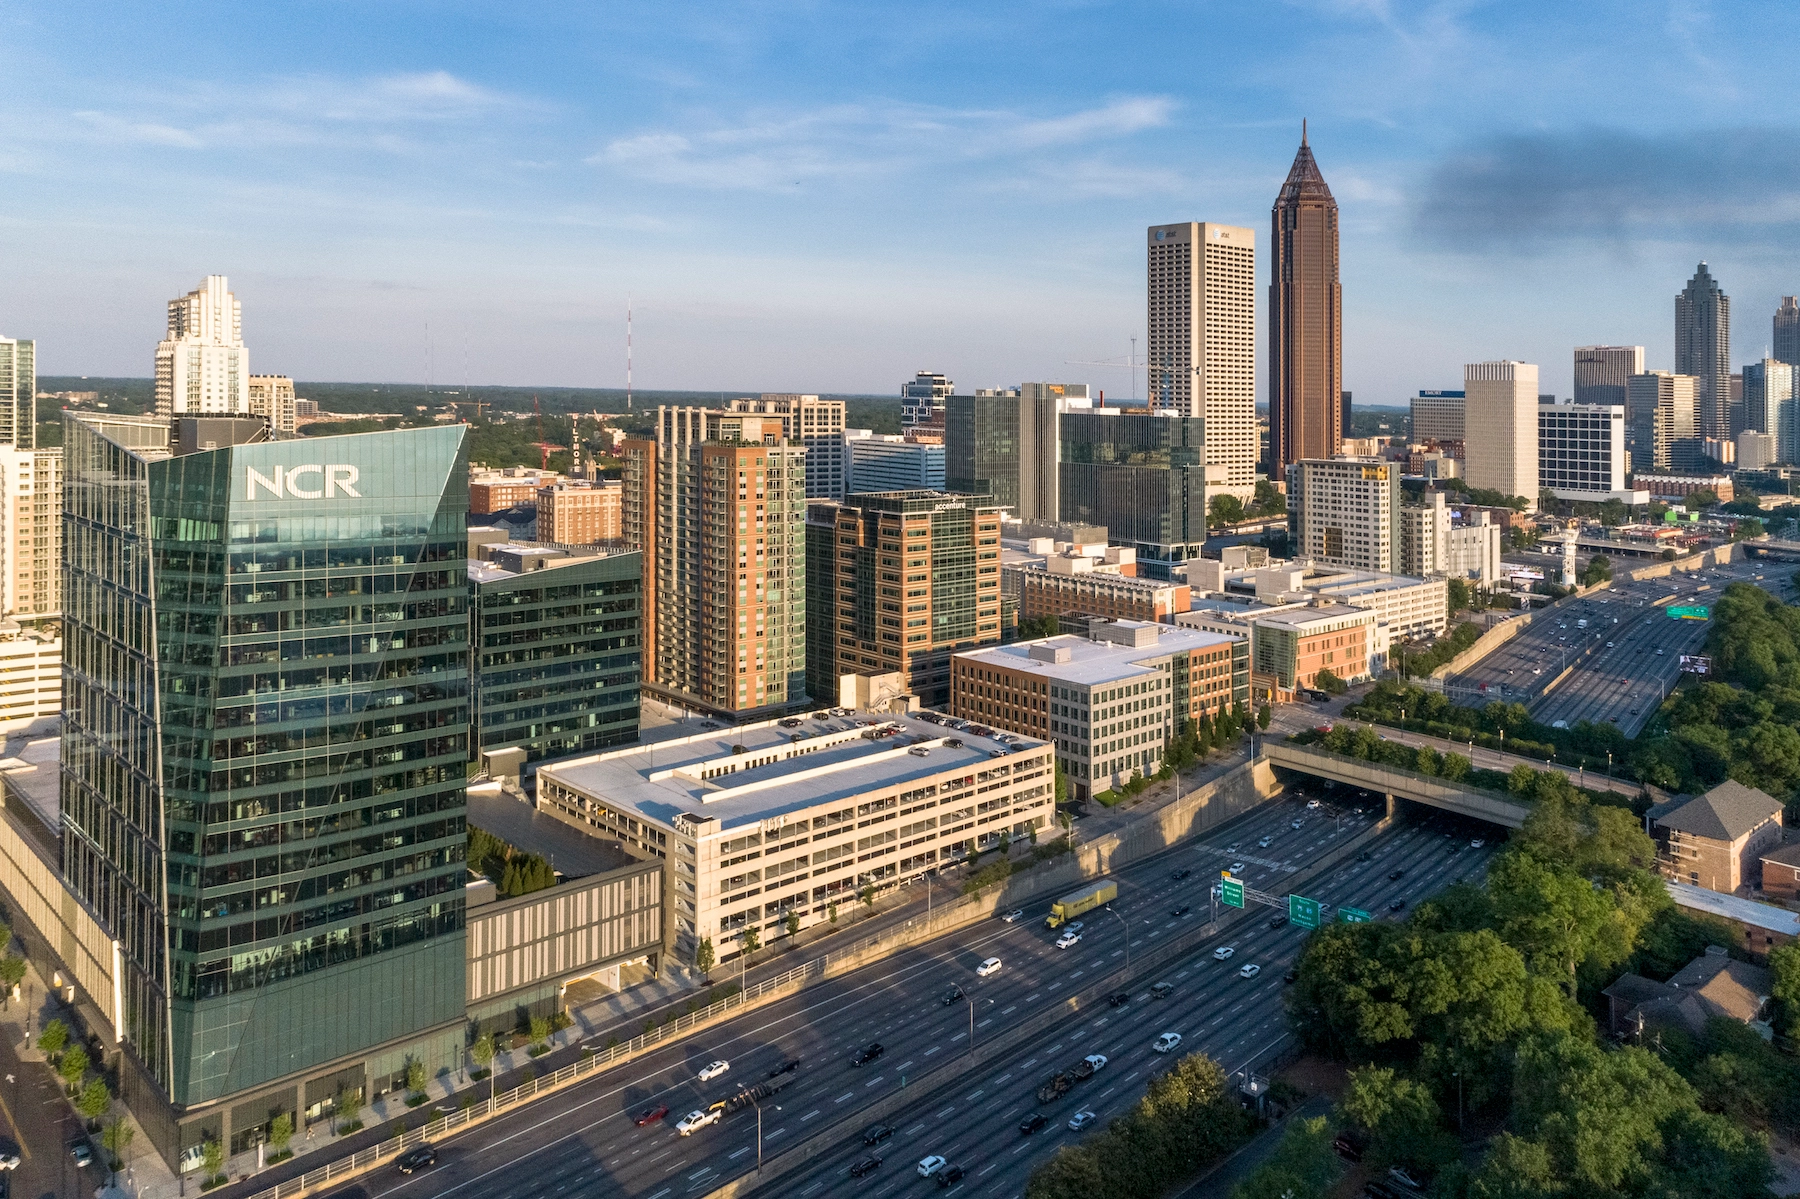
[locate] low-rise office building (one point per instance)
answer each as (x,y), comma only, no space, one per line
(892,462)
(1675,487)
(492,491)
(578,513)
(1582,452)
(763,821)
(1434,542)
(1343,511)
(1717,840)
(1108,701)
(1290,648)
(1050,592)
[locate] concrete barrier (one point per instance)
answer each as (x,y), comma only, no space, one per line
(1718,555)
(1484,645)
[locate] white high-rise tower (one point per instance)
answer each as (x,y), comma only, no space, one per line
(1202,344)
(202,366)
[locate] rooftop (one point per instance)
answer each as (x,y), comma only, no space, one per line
(1302,618)
(1765,916)
(749,773)
(567,849)
(1095,662)
(1725,813)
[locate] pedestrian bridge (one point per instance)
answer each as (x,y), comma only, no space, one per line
(1395,783)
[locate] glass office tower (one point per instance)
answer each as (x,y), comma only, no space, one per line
(266,722)
(1143,476)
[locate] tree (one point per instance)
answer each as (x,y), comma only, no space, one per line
(1224,509)
(1749,527)
(867,895)
(212,1157)
(540,1031)
(54,1036)
(751,939)
(415,1075)
(1062,785)
(482,1051)
(1269,500)
(73,1066)
(12,970)
(1328,681)
(703,956)
(1613,513)
(1401,1118)
(1599,569)
(831,911)
(793,924)
(1553,916)
(346,1103)
(1516,1169)
(1031,628)
(94,1100)
(116,1137)
(281,1131)
(1263,716)
(1459,595)
(1700,498)
(1302,1166)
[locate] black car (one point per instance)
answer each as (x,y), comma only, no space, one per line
(1364,855)
(787,1067)
(416,1159)
(877,1133)
(1118,999)
(868,1055)
(949,1176)
(1032,1123)
(867,1165)
(1396,905)
(1278,920)
(952,995)
(1179,875)
(1396,876)
(1183,910)
(1290,976)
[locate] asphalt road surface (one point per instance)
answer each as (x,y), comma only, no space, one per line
(1217,1011)
(584,1140)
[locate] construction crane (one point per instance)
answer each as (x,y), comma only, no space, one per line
(544,447)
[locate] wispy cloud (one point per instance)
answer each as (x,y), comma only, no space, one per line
(108,127)
(863,140)
(1532,193)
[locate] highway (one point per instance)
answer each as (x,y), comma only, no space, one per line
(1236,1021)
(583,1139)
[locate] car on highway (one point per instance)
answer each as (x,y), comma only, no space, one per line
(991,966)
(421,1158)
(949,1177)
(1396,905)
(1074,926)
(1250,971)
(1265,843)
(868,1054)
(713,1070)
(1477,843)
(651,1115)
(1097,1061)
(1068,939)
(695,1120)
(1223,953)
(1162,990)
(1396,876)
(877,1133)
(1237,868)
(1233,847)
(1167,1042)
(1177,913)
(1118,999)
(1659,653)
(1014,916)
(1081,1120)
(1312,805)
(930,1165)
(1032,1123)
(865,1167)
(1295,825)
(952,995)
(1278,920)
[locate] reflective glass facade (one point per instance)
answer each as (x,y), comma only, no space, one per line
(981,448)
(266,729)
(1143,477)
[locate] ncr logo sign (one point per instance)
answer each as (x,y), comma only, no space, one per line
(312,481)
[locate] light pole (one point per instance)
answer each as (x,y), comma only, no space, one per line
(1108,909)
(759,1138)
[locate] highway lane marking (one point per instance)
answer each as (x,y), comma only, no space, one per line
(932,1050)
(704,1170)
(959,1036)
(947,1111)
(915,1128)
(1000,1080)
(1010,1010)
(844,1096)
(985,1023)
(660,1156)
(661,1193)
(990,1166)
(872,1082)
(1032,996)
(977,1095)
(809,1115)
(736,1155)
(775,1134)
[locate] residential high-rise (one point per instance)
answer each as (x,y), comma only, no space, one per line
(1660,422)
(1306,323)
(982,450)
(718,502)
(898,582)
(1601,372)
(1142,476)
(269,828)
(1581,451)
(1202,339)
(922,400)
(1433,542)
(1703,350)
(272,398)
(1787,331)
(31,532)
(18,393)
(1438,417)
(1501,428)
(818,425)
(202,367)
(1344,511)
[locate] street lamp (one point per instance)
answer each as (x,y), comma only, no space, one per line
(1108,909)
(759,1137)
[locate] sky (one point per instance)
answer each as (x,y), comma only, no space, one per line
(827,197)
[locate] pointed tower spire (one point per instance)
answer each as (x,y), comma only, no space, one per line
(1303,131)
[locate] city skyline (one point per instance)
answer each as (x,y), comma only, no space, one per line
(332,179)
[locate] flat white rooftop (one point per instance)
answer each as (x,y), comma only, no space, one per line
(821,760)
(1094,663)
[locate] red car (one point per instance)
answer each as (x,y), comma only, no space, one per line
(653,1115)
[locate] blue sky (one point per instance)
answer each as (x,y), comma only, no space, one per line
(827,197)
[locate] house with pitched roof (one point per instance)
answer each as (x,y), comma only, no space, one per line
(1712,985)
(1717,840)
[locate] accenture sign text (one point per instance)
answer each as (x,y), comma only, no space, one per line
(309,482)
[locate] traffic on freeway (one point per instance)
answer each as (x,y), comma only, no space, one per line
(586,1138)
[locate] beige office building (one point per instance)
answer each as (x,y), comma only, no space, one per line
(1343,511)
(1500,414)
(31,532)
(1602,372)
(1202,341)
(272,398)
(578,513)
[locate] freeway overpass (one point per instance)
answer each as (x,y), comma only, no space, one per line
(1395,783)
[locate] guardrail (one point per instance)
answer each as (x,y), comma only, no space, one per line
(1375,776)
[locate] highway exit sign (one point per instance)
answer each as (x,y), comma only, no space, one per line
(1231,891)
(1352,916)
(1689,612)
(1303,911)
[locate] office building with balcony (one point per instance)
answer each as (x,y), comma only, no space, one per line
(815,424)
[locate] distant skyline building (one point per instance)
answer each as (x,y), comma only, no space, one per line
(893,462)
(31,532)
(1787,331)
(1306,330)
(1041,406)
(202,366)
(1660,422)
(1603,372)
(1703,350)
(922,399)
(982,452)
(1439,416)
(1501,426)
(18,393)
(1201,362)
(1767,385)
(272,398)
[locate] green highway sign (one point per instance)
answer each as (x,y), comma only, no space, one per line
(1683,612)
(1232,892)
(1352,916)
(1303,911)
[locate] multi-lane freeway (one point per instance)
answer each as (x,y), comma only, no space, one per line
(585,1139)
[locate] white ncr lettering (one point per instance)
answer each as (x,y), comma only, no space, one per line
(340,477)
(252,477)
(293,482)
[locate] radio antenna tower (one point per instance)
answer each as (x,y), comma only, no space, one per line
(628,353)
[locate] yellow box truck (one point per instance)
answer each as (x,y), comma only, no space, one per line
(1085,900)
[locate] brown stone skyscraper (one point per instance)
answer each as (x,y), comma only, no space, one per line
(1306,327)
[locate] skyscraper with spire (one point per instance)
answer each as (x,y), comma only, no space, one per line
(1306,329)
(1787,331)
(1703,350)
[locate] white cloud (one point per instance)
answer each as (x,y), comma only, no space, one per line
(108,127)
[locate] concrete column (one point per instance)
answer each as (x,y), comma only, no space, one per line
(1390,805)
